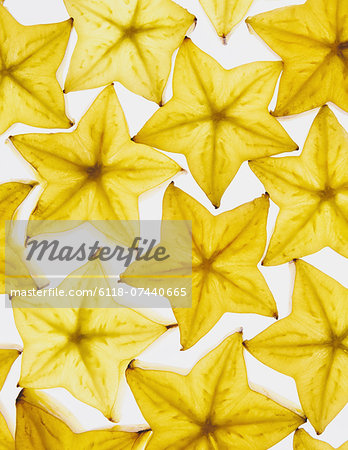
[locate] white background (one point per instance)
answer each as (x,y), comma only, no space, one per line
(242,48)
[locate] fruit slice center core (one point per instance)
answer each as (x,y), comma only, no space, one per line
(340,49)
(208,427)
(327,193)
(94,171)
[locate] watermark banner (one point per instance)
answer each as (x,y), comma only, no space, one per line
(99,264)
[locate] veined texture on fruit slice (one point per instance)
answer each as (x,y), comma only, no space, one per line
(312,40)
(130,41)
(217,118)
(311,344)
(210,407)
(29,59)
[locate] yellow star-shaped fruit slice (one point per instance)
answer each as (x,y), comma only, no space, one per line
(212,407)
(131,41)
(85,348)
(11,196)
(312,40)
(225,252)
(311,191)
(96,172)
(311,344)
(29,59)
(225,14)
(217,118)
(40,427)
(303,441)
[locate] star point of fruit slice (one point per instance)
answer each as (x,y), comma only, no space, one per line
(217,118)
(130,41)
(212,407)
(312,40)
(84,348)
(7,358)
(95,172)
(11,196)
(225,252)
(225,14)
(311,344)
(40,427)
(303,441)
(311,191)
(29,59)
